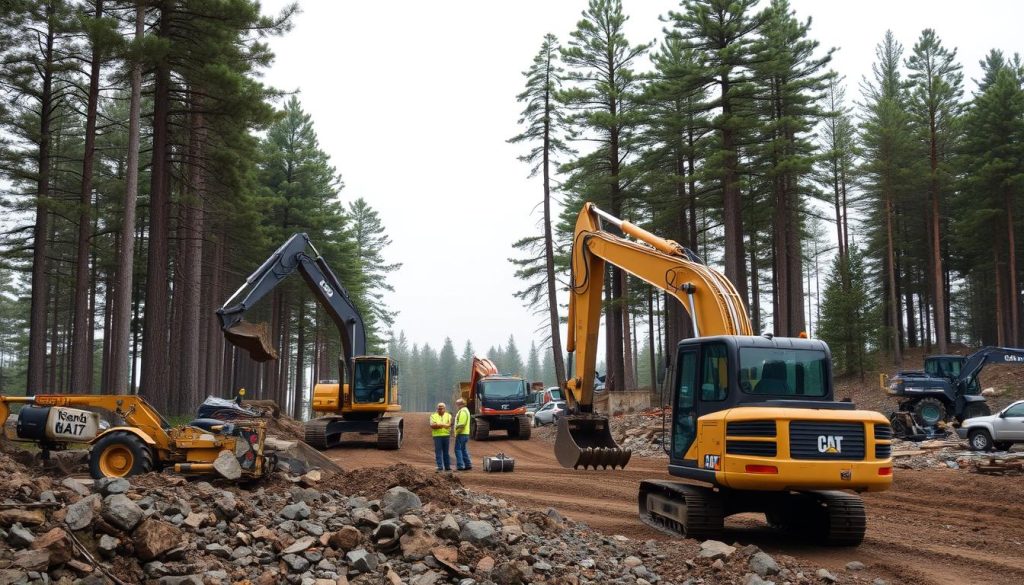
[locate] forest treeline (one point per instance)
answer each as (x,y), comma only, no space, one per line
(895,194)
(146,170)
(429,375)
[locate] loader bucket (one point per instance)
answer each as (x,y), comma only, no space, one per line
(253,338)
(585,440)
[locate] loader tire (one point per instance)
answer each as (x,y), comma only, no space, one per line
(929,412)
(119,454)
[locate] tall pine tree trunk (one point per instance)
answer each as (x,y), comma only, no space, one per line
(732,217)
(300,362)
(628,369)
(215,340)
(81,352)
(121,321)
(549,248)
(1000,305)
(41,230)
(1014,299)
(155,368)
(897,353)
(191,264)
(936,248)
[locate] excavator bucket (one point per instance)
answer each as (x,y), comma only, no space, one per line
(253,338)
(585,440)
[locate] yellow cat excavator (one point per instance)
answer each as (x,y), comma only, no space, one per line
(366,393)
(754,426)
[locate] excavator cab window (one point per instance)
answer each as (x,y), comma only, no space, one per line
(684,420)
(715,373)
(783,372)
(369,383)
(393,383)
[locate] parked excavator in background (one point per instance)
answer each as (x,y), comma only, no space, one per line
(753,418)
(497,402)
(132,438)
(366,391)
(947,389)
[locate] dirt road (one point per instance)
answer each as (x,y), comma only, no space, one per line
(933,527)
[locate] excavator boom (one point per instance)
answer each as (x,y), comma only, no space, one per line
(584,438)
(321,280)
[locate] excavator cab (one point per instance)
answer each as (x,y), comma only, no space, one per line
(375,381)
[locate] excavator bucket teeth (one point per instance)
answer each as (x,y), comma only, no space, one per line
(253,338)
(585,440)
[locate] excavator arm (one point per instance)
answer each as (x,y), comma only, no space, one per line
(987,355)
(320,279)
(712,302)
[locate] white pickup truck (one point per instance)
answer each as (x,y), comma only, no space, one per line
(996,431)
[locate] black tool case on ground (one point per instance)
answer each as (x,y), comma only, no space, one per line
(499,463)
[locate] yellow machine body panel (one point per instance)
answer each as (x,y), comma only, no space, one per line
(375,389)
(783,471)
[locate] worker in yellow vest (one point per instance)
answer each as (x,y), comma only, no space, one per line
(441,430)
(462,417)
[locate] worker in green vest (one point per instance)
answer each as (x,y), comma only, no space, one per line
(462,417)
(441,430)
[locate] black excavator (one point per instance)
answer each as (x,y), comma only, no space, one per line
(366,392)
(948,388)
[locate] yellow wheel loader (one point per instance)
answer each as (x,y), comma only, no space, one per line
(139,440)
(754,426)
(365,397)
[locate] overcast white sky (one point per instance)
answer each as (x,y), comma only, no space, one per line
(414,101)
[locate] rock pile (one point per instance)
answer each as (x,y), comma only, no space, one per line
(359,528)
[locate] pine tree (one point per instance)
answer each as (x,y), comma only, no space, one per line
(544,125)
(370,240)
(724,33)
(602,99)
(847,319)
(547,369)
(790,80)
(512,361)
(465,361)
(936,81)
(448,363)
(532,364)
(987,201)
(837,164)
(887,171)
(35,55)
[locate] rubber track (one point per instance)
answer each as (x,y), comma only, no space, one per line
(704,513)
(316,432)
(845,519)
(389,436)
(483,429)
(524,428)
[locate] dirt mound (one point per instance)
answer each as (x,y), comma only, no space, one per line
(439,488)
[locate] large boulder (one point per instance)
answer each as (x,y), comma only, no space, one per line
(477,532)
(154,537)
(121,511)
(398,501)
(80,514)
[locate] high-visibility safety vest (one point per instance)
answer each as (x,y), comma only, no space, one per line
(441,419)
(462,421)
